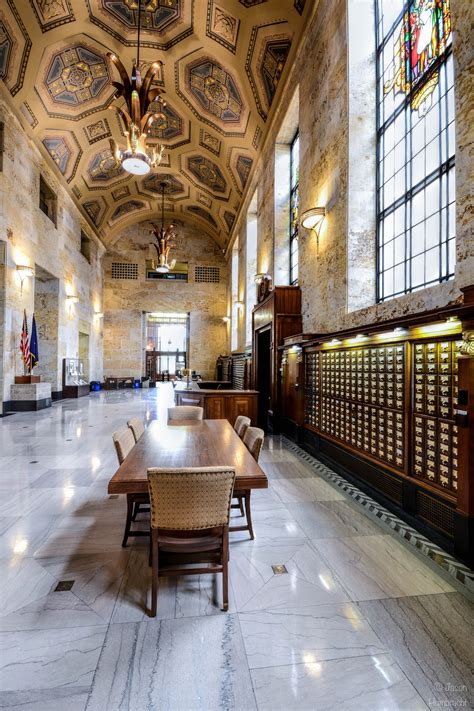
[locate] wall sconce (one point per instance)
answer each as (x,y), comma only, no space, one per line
(72,299)
(313,220)
(24,272)
(261,276)
(99,314)
(239,304)
(226,319)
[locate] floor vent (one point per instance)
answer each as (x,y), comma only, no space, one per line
(64,585)
(279,569)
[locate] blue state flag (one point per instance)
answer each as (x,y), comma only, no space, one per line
(34,354)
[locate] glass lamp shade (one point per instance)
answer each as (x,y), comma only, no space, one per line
(136,163)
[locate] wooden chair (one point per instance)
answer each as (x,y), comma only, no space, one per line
(124,442)
(241,424)
(190,510)
(185,412)
(253,440)
(137,427)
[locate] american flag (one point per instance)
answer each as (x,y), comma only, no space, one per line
(24,342)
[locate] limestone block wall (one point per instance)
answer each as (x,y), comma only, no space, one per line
(336,113)
(31,238)
(126,301)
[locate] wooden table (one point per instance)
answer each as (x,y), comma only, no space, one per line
(203,443)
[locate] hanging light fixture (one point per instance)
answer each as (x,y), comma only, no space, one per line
(164,237)
(138,157)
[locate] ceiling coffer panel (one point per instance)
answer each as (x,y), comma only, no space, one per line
(222,67)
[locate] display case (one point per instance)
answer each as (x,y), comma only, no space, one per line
(75,379)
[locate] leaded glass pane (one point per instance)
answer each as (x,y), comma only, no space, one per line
(294,215)
(416,143)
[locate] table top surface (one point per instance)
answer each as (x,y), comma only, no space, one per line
(191,443)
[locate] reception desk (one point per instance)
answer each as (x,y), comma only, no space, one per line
(219,404)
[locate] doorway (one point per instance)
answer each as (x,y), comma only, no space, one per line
(167,344)
(264,377)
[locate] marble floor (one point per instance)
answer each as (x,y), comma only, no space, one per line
(356,620)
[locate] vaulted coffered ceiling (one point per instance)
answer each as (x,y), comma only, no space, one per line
(223,62)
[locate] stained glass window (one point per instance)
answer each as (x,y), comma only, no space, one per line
(294,183)
(415,146)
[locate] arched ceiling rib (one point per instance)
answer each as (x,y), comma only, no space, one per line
(223,62)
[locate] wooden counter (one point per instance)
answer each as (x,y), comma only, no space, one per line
(219,404)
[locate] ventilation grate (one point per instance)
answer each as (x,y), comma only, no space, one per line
(207,275)
(435,513)
(124,271)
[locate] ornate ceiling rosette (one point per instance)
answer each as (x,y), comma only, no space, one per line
(207,174)
(75,80)
(213,94)
(174,187)
(164,22)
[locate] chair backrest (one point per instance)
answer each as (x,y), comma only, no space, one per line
(137,427)
(185,412)
(253,440)
(190,498)
(241,424)
(124,441)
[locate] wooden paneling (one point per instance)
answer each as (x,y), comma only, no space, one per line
(221,404)
(281,313)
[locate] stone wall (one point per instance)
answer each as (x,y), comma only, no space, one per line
(126,301)
(336,112)
(31,238)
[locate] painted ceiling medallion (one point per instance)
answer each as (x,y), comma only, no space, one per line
(75,76)
(104,167)
(207,172)
(158,14)
(268,51)
(243,167)
(126,208)
(215,90)
(203,214)
(154,184)
(167,124)
(65,151)
(15,46)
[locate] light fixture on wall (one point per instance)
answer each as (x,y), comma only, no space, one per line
(313,220)
(24,272)
(239,304)
(99,314)
(139,157)
(72,298)
(226,319)
(164,237)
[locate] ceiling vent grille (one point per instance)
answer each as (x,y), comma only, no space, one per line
(124,271)
(207,275)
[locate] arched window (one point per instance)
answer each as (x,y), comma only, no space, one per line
(294,185)
(415,146)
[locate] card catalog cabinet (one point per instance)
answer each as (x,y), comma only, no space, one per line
(375,398)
